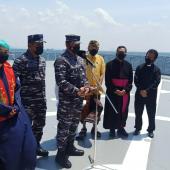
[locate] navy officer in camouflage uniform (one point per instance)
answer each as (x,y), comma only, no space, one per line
(30,68)
(71,80)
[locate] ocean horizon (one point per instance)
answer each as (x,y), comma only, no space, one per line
(135,58)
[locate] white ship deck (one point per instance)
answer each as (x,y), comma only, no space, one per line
(134,153)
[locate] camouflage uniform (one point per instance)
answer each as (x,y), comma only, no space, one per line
(70,76)
(31,71)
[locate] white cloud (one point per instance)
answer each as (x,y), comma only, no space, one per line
(153,24)
(61,7)
(103,15)
(60,19)
(50,13)
(165,17)
(85,21)
(25,12)
(40,13)
(3,9)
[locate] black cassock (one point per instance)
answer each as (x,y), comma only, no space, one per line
(118,76)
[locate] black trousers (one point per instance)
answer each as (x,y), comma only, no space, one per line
(150,103)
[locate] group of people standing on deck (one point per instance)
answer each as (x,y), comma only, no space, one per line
(79,77)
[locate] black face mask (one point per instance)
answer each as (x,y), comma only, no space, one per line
(148,61)
(39,50)
(121,55)
(76,49)
(93,52)
(3,58)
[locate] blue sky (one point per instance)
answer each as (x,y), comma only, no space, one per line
(138,24)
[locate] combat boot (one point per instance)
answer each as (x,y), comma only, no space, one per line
(73,151)
(62,159)
(41,151)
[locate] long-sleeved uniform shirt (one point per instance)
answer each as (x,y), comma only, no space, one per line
(147,77)
(31,72)
(70,76)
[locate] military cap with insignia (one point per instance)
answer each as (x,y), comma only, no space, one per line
(72,38)
(36,38)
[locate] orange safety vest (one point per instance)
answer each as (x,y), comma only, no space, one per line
(10,76)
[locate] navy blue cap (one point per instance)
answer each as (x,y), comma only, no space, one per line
(35,38)
(72,37)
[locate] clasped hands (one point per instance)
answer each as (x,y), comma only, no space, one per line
(143,93)
(120,92)
(86,91)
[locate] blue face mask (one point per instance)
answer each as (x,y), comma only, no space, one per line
(3,58)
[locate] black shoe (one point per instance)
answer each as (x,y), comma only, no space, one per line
(73,151)
(82,134)
(41,151)
(112,133)
(136,132)
(151,134)
(62,159)
(93,132)
(122,132)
